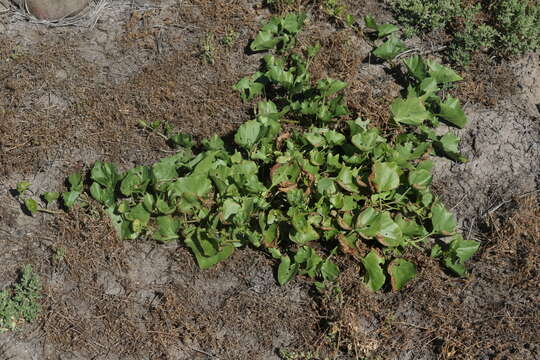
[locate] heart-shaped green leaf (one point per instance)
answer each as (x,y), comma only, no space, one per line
(401,272)
(390,48)
(440,73)
(451,111)
(409,111)
(31,205)
(419,179)
(385,176)
(286,271)
(248,134)
(443,220)
(375,276)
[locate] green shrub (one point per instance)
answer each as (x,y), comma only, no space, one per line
(518,25)
(502,27)
(424,15)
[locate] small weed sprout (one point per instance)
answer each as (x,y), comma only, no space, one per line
(59,255)
(209,48)
(229,38)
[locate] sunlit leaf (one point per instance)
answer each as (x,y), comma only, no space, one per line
(451,111)
(375,276)
(443,220)
(286,271)
(390,48)
(441,73)
(409,111)
(401,272)
(385,176)
(31,205)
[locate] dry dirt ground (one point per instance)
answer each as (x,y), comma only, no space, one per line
(72,95)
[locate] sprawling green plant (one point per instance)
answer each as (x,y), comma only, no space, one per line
(304,193)
(20,303)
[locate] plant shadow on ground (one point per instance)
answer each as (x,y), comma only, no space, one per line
(65,106)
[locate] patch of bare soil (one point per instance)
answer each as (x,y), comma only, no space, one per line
(70,96)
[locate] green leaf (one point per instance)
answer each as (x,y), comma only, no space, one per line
(428,87)
(345,179)
(196,185)
(455,266)
(31,205)
(448,144)
(375,276)
(213,143)
(334,138)
(409,227)
(249,87)
(248,134)
(303,231)
(385,176)
(230,207)
(416,67)
(265,40)
(390,48)
(23,186)
(440,73)
(104,174)
(286,173)
(75,182)
(463,249)
(384,229)
(51,196)
(204,261)
(382,30)
(366,218)
(366,141)
(329,270)
(181,139)
(436,251)
(451,111)
(135,181)
(138,213)
(410,111)
(70,198)
(443,220)
(401,272)
(419,179)
(286,271)
(326,186)
(167,229)
(105,196)
(310,261)
(459,251)
(329,87)
(315,139)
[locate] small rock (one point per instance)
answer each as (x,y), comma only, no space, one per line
(11,85)
(61,74)
(55,9)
